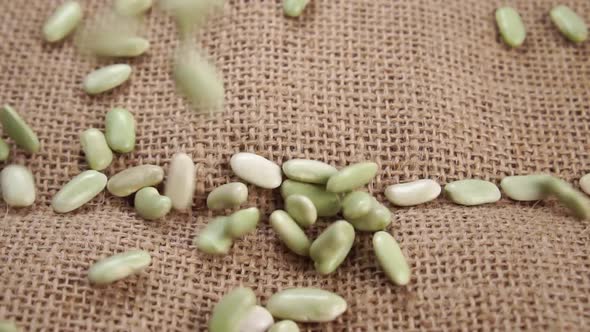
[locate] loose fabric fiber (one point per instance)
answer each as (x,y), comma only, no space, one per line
(424,88)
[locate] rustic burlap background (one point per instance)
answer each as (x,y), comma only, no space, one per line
(424,88)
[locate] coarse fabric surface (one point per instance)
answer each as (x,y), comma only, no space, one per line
(426,89)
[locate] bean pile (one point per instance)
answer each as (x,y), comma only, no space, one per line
(314,189)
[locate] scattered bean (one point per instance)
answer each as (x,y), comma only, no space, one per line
(180,185)
(106,78)
(120,46)
(132,7)
(357,204)
(327,204)
(575,201)
(294,8)
(256,170)
(119,266)
(227,196)
(120,130)
(284,326)
(352,177)
(231,310)
(309,171)
(242,222)
(306,305)
(510,25)
(525,187)
(199,81)
(112,35)
(413,193)
(150,205)
(390,257)
(18,130)
(62,21)
(301,209)
(4,150)
(8,326)
(569,23)
(290,233)
(79,191)
(472,192)
(330,249)
(190,14)
(258,319)
(18,186)
(585,183)
(98,154)
(378,218)
(214,238)
(132,179)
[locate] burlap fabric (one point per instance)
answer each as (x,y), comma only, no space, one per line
(424,88)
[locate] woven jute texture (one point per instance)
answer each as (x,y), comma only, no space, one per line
(424,88)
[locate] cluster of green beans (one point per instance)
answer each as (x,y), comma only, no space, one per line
(316,189)
(98,149)
(513,31)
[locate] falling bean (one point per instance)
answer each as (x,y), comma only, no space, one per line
(18,130)
(119,266)
(231,310)
(63,21)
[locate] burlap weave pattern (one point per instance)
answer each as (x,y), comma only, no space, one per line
(424,88)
